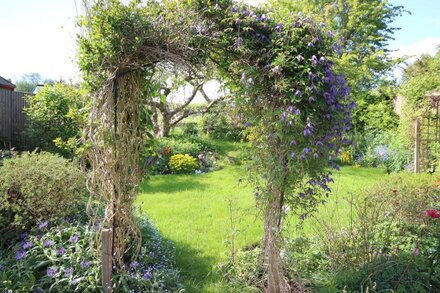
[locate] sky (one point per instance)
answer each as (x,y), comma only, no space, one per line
(39,35)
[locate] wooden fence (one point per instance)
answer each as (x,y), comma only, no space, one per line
(12,120)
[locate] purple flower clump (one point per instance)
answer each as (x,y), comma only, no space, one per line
(134,265)
(20,255)
(52,271)
(42,224)
(27,244)
(278,27)
(68,272)
(74,238)
(85,264)
(61,251)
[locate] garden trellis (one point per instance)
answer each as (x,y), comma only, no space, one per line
(282,78)
(427,136)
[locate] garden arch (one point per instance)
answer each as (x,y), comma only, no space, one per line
(280,72)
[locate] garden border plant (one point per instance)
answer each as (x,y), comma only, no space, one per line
(296,107)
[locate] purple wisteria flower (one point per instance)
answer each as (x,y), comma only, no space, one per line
(337,49)
(278,27)
(27,244)
(85,264)
(293,154)
(61,251)
(48,243)
(276,70)
(298,93)
(308,130)
(243,77)
(330,34)
(293,110)
(74,238)
(68,272)
(74,281)
(264,17)
(310,45)
(283,117)
(42,224)
(23,235)
(52,271)
(300,58)
(306,151)
(314,60)
(1,267)
(238,42)
(20,255)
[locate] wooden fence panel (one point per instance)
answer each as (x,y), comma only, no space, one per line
(12,120)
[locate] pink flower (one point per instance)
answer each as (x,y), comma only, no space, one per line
(433,214)
(416,251)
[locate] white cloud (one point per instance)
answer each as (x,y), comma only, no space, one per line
(414,51)
(426,46)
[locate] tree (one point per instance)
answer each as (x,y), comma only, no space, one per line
(55,118)
(363,29)
(420,78)
(171,105)
(29,82)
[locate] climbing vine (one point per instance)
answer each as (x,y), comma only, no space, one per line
(281,72)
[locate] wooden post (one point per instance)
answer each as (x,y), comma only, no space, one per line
(417,147)
(107,259)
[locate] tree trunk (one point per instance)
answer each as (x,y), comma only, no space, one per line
(272,229)
(166,125)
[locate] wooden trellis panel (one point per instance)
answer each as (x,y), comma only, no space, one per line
(427,144)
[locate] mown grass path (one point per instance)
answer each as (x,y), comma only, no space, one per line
(194,211)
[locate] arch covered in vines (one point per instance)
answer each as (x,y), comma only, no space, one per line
(279,70)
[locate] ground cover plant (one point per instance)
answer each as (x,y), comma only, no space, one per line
(63,258)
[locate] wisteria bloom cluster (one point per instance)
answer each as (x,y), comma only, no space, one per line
(297,106)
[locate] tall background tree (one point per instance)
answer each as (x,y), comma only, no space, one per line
(29,81)
(364,29)
(175,92)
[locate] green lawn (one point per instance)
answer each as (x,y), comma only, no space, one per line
(194,212)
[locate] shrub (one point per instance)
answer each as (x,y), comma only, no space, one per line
(190,129)
(222,122)
(192,145)
(185,145)
(392,242)
(62,259)
(55,115)
(36,187)
(182,163)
